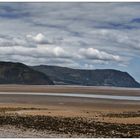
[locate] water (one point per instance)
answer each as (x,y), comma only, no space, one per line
(114,97)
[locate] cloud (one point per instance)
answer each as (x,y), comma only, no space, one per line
(37,52)
(46,52)
(39,38)
(88,66)
(91,53)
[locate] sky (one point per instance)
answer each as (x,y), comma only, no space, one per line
(75,35)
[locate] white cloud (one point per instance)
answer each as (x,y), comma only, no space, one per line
(88,66)
(39,38)
(91,53)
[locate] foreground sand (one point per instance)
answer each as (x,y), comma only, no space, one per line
(120,113)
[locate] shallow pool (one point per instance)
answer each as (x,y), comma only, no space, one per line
(134,98)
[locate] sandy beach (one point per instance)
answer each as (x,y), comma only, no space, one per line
(115,112)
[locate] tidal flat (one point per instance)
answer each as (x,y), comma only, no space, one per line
(76,117)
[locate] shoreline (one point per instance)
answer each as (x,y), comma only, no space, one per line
(76,95)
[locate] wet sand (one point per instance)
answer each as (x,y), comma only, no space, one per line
(69,107)
(70,89)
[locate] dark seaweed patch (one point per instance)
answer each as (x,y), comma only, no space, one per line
(77,125)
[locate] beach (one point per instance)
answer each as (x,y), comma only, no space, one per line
(119,113)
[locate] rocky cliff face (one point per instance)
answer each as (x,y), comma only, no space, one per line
(18,73)
(105,77)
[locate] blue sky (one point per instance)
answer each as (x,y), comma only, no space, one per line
(76,35)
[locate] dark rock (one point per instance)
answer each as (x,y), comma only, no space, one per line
(18,73)
(99,77)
